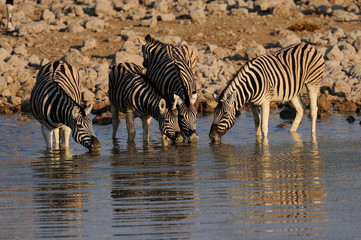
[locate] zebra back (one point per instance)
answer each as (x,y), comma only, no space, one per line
(170,68)
(277,76)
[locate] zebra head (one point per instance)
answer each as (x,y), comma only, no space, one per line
(187,117)
(168,121)
(82,130)
(224,116)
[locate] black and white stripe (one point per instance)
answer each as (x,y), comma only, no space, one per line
(171,69)
(131,93)
(55,103)
(278,76)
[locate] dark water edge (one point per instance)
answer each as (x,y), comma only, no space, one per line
(289,188)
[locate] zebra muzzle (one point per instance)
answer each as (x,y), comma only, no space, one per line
(95,144)
(214,135)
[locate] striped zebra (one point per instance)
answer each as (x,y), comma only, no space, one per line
(131,93)
(171,69)
(278,76)
(55,103)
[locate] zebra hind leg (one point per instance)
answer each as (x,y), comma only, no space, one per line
(146,122)
(300,108)
(265,117)
(130,126)
(256,119)
(313,95)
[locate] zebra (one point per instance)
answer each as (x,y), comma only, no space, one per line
(277,76)
(130,92)
(171,69)
(55,103)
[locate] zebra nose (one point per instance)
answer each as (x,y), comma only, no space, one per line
(95,144)
(193,137)
(213,134)
(178,138)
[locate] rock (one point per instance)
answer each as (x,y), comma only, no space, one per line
(87,96)
(32,28)
(149,22)
(350,119)
(103,119)
(345,106)
(3,84)
(75,58)
(3,54)
(121,57)
(255,51)
(20,49)
(161,6)
(167,17)
(103,7)
(14,100)
(94,24)
(282,125)
(130,47)
(88,44)
(174,40)
(288,113)
(48,16)
(75,27)
(197,15)
(324,105)
(334,53)
(288,40)
(340,86)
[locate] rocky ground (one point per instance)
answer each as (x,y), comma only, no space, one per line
(94,34)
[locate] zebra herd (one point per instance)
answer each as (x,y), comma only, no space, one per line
(165,90)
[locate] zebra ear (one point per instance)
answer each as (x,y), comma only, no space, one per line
(216,97)
(194,97)
(88,109)
(231,96)
(162,106)
(177,100)
(75,112)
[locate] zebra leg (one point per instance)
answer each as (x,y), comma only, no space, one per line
(265,118)
(146,122)
(299,106)
(256,119)
(313,94)
(115,120)
(65,135)
(48,137)
(56,132)
(130,126)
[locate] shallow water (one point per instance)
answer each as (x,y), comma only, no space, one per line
(290,188)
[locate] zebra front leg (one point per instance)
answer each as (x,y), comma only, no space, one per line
(130,126)
(313,95)
(56,132)
(300,108)
(115,120)
(265,118)
(48,137)
(256,119)
(146,122)
(65,135)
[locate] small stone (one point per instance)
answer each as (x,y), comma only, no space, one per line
(350,119)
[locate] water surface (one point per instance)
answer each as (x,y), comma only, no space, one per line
(289,188)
